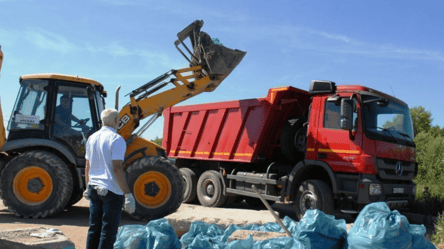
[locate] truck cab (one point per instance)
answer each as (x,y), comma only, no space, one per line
(366,138)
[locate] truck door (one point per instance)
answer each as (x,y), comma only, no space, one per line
(340,149)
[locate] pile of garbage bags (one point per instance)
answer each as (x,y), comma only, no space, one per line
(375,227)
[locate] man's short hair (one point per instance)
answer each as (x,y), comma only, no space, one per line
(108,116)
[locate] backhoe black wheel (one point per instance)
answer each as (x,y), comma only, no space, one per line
(157,186)
(190,185)
(293,139)
(210,189)
(313,194)
(36,184)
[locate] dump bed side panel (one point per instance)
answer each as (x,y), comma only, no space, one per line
(240,131)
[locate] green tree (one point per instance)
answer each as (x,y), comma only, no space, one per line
(157,141)
(430,157)
(422,119)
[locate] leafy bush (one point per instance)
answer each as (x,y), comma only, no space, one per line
(438,237)
(430,157)
(427,204)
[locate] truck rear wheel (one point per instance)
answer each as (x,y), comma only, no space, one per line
(293,139)
(36,184)
(190,185)
(157,186)
(210,189)
(313,194)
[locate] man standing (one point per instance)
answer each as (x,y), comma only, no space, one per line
(105,151)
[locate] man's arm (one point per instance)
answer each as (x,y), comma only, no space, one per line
(87,167)
(120,176)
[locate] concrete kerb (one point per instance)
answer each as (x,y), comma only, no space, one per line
(35,238)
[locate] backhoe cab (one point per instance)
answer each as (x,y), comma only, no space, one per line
(42,162)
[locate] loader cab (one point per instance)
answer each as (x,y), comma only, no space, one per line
(63,109)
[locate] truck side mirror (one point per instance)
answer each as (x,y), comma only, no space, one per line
(346,114)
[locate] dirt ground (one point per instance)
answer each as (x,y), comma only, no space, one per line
(72,222)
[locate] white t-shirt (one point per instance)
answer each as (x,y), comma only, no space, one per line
(102,148)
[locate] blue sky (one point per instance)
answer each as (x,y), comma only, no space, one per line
(392,46)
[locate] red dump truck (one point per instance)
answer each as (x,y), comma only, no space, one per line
(334,148)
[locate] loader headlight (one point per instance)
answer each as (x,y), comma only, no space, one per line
(375,189)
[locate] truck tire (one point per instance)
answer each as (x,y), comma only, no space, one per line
(293,139)
(36,184)
(157,186)
(313,194)
(190,185)
(210,189)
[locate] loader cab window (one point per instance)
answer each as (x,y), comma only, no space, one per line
(29,110)
(100,106)
(332,114)
(72,117)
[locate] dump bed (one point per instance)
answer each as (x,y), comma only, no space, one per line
(241,130)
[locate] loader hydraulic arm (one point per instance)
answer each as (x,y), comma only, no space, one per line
(210,64)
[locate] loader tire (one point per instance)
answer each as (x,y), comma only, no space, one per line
(190,185)
(313,194)
(293,139)
(36,184)
(157,186)
(210,189)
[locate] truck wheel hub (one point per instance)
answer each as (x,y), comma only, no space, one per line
(210,189)
(307,202)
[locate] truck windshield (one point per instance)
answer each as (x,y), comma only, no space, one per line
(388,121)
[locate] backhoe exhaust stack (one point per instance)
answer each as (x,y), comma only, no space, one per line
(216,60)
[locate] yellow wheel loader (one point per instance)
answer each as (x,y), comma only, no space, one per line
(43,159)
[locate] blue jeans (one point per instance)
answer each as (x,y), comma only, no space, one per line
(104,219)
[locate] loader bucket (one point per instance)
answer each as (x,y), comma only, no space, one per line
(216,60)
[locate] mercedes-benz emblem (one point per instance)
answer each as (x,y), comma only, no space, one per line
(399,168)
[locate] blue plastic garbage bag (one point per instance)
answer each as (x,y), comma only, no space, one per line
(283,242)
(378,227)
(155,235)
(419,241)
(319,230)
(203,235)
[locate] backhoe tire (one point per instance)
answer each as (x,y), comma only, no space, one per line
(190,185)
(36,184)
(210,189)
(157,186)
(313,194)
(293,139)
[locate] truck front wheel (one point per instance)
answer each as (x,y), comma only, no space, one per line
(313,194)
(36,184)
(157,186)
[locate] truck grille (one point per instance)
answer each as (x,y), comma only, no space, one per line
(391,169)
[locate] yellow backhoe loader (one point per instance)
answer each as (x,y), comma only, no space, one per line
(42,161)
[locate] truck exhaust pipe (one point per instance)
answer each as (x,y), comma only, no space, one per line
(217,61)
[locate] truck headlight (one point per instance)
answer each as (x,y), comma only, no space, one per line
(375,189)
